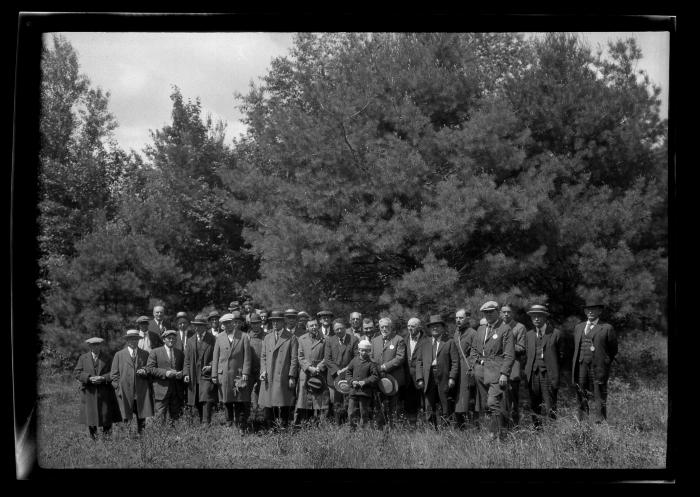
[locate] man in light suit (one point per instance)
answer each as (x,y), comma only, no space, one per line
(413,396)
(165,367)
(595,347)
(341,348)
(197,370)
(131,383)
(279,368)
(389,353)
(518,330)
(543,346)
(437,368)
(493,353)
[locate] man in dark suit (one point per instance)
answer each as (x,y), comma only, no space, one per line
(543,352)
(131,383)
(165,367)
(493,353)
(158,325)
(325,317)
(389,354)
(256,335)
(341,348)
(437,368)
(182,322)
(518,331)
(199,350)
(595,347)
(465,401)
(412,395)
(149,339)
(98,402)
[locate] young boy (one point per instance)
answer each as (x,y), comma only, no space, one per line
(362,374)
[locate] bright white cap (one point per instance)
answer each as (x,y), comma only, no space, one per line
(364,344)
(415,321)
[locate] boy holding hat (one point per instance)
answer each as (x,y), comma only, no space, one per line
(362,374)
(543,352)
(131,382)
(98,403)
(199,351)
(493,353)
(437,368)
(595,347)
(165,367)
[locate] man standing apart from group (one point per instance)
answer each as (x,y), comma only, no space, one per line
(231,363)
(389,353)
(595,347)
(98,403)
(466,385)
(493,352)
(543,352)
(518,331)
(130,381)
(199,352)
(279,364)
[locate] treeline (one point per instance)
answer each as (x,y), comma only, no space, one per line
(404,174)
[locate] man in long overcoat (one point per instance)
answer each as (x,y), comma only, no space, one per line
(437,369)
(311,355)
(543,351)
(256,335)
(279,368)
(131,382)
(465,401)
(165,367)
(413,396)
(493,352)
(340,349)
(595,347)
(389,354)
(98,402)
(518,331)
(232,363)
(197,370)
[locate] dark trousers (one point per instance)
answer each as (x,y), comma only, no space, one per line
(542,393)
(170,405)
(587,385)
(470,415)
(413,401)
(338,406)
(140,422)
(358,406)
(515,400)
(279,413)
(494,403)
(434,397)
(256,412)
(204,410)
(385,409)
(106,430)
(301,415)
(238,410)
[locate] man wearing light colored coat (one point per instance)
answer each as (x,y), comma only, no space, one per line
(311,355)
(131,383)
(279,368)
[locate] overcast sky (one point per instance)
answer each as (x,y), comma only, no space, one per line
(138,70)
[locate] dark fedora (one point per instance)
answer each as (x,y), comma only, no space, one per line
(343,386)
(593,302)
(254,318)
(435,319)
(275,315)
(388,385)
(314,384)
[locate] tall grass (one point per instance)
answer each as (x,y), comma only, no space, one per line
(635,436)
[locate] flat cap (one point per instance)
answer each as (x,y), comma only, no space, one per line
(364,344)
(593,302)
(94,340)
(167,333)
(142,319)
(538,309)
(226,317)
(237,316)
(489,306)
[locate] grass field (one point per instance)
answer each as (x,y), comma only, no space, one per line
(635,436)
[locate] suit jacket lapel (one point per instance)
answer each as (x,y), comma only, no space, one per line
(284,336)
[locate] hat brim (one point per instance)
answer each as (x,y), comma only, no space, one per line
(343,386)
(537,312)
(388,385)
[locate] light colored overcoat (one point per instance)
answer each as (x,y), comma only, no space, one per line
(312,353)
(232,359)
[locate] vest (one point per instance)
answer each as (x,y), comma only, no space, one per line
(539,352)
(585,354)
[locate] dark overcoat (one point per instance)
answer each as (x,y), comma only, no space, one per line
(605,343)
(339,354)
(412,358)
(157,367)
(231,360)
(518,330)
(197,356)
(98,402)
(279,360)
(447,360)
(551,341)
(497,353)
(463,341)
(392,355)
(127,384)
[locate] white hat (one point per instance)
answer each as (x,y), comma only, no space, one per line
(364,344)
(489,306)
(415,321)
(226,317)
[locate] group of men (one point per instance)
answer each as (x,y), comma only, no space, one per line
(274,368)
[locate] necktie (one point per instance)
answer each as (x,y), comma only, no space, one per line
(488,332)
(588,327)
(170,356)
(539,332)
(434,349)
